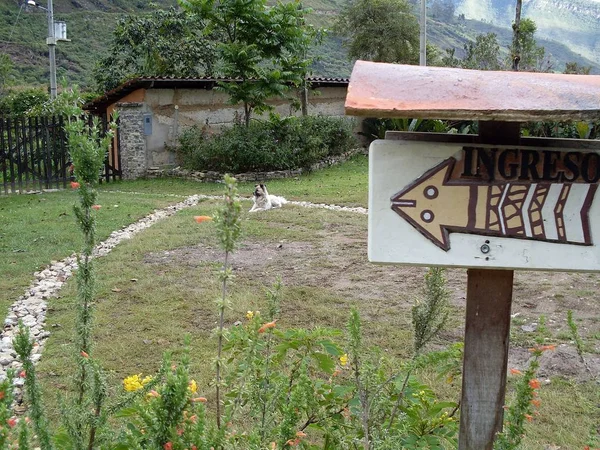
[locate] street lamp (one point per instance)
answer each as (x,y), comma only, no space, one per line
(57,31)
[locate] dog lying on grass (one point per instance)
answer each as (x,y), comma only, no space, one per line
(263,200)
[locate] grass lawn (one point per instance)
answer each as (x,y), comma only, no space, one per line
(345,184)
(161,285)
(36,229)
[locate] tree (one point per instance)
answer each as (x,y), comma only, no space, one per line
(483,54)
(162,43)
(263,48)
(380,30)
(575,69)
(530,56)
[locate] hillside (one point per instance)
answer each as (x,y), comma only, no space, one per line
(90,24)
(576,23)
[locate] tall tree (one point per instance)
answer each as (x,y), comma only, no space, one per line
(531,56)
(162,43)
(483,54)
(380,30)
(263,48)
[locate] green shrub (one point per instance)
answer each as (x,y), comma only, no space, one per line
(18,103)
(276,144)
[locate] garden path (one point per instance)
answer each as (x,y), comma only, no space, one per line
(31,307)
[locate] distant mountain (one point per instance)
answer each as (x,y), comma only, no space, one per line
(576,23)
(572,24)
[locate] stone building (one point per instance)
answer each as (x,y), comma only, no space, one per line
(154,111)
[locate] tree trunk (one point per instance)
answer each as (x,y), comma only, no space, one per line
(516,47)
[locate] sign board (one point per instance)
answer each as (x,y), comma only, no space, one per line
(484,206)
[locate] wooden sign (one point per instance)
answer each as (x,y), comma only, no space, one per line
(472,205)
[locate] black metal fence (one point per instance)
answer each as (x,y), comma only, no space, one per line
(34,154)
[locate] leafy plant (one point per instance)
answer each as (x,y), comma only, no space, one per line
(263,48)
(380,30)
(276,144)
(161,43)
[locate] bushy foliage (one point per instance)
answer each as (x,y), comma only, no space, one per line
(19,102)
(161,43)
(264,48)
(380,30)
(276,144)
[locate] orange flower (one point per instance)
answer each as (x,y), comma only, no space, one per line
(179,431)
(535,403)
(1,395)
(516,372)
(75,184)
(293,442)
(201,219)
(96,207)
(301,434)
(11,422)
(266,326)
(199,399)
(336,373)
(193,419)
(168,446)
(193,447)
(84,354)
(153,393)
(542,348)
(22,374)
(529,417)
(534,384)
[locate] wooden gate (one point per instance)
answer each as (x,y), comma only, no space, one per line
(34,154)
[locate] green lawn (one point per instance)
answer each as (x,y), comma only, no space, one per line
(160,286)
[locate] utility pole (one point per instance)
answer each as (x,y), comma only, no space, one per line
(51,41)
(423,35)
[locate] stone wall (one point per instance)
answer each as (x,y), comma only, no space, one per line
(134,161)
(170,111)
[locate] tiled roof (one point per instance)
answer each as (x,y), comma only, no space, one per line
(99,104)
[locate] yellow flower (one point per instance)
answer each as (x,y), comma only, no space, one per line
(135,382)
(249,315)
(193,387)
(344,359)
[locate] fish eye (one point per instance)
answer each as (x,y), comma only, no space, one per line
(427,216)
(431,192)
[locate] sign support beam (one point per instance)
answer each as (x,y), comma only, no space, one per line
(487,333)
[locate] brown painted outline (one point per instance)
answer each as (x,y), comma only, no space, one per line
(444,244)
(541,207)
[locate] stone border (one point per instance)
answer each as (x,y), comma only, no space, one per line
(31,307)
(212,177)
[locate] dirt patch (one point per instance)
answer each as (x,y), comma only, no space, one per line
(337,261)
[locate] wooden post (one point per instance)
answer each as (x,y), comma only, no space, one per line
(489,297)
(487,331)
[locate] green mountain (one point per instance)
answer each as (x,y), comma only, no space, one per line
(575,23)
(90,23)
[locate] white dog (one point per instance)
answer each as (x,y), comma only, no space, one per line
(263,200)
